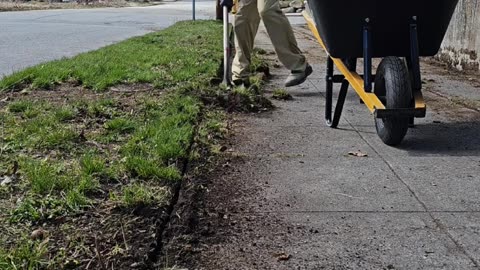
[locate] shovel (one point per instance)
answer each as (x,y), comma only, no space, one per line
(226,48)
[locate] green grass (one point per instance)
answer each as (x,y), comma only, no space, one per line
(44,177)
(28,254)
(43,129)
(55,188)
(65,113)
(281,94)
(165,58)
(120,125)
(165,139)
(35,208)
(140,194)
(74,153)
(148,168)
(92,164)
(19,106)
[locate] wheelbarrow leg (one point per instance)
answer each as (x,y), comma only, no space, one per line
(341,100)
(329,92)
(331,79)
(333,123)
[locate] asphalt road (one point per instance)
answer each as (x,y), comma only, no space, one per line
(300,201)
(30,37)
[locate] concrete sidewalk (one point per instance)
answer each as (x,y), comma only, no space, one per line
(301,202)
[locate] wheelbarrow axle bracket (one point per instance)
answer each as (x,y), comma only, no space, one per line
(400,113)
(367,56)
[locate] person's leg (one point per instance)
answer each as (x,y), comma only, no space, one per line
(281,35)
(245,26)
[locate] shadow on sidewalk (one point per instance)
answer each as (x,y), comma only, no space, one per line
(452,139)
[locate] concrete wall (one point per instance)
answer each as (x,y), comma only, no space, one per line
(461,46)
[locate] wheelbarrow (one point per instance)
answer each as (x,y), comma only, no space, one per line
(399,32)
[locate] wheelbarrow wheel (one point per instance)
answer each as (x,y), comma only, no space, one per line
(393,88)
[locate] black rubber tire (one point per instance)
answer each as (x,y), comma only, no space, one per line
(393,87)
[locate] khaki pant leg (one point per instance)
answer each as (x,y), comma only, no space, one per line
(245,25)
(281,35)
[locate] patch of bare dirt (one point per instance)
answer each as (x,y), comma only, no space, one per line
(217,224)
(106,237)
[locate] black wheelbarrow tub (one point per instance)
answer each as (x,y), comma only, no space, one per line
(340,24)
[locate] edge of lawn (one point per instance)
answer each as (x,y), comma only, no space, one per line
(101,142)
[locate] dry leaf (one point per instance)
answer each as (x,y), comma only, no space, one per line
(5,180)
(283,256)
(357,154)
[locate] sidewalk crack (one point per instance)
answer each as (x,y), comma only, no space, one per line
(437,222)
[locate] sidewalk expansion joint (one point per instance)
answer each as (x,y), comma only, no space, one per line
(437,222)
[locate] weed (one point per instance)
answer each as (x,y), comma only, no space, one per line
(259,51)
(42,131)
(120,125)
(34,208)
(75,199)
(44,177)
(27,210)
(281,94)
(87,183)
(60,137)
(64,113)
(151,169)
(257,64)
(92,164)
(102,108)
(27,254)
(249,100)
(20,106)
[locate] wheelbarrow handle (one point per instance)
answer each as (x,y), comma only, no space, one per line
(226,47)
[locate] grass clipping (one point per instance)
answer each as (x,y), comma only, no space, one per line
(91,163)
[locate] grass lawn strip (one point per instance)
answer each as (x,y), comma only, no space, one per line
(87,163)
(6,5)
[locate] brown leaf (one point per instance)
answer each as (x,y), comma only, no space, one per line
(357,154)
(283,256)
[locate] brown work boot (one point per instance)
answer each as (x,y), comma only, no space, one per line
(298,77)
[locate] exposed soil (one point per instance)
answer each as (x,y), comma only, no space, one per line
(212,214)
